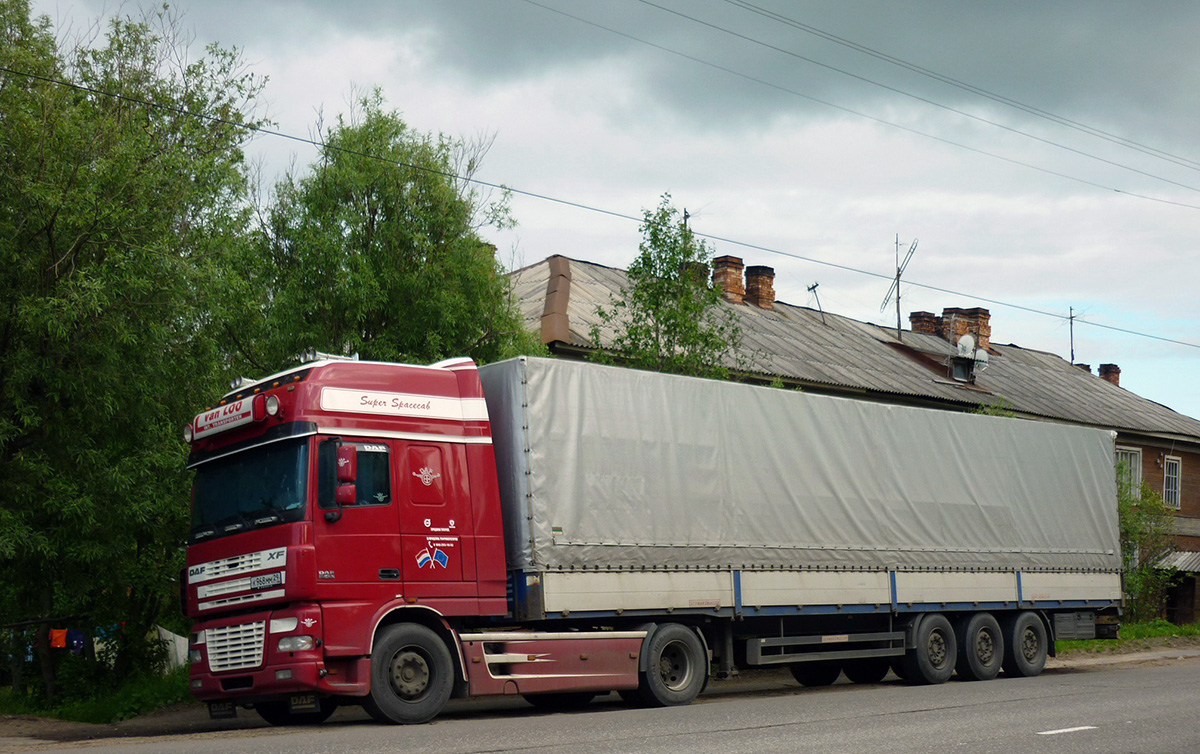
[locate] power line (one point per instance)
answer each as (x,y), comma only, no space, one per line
(918,98)
(563,202)
(1031,109)
(861,114)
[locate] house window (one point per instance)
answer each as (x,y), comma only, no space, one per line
(1172,471)
(1129,470)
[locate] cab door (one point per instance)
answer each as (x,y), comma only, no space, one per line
(437,540)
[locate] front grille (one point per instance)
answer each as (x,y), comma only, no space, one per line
(236,647)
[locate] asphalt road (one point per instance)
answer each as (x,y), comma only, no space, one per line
(1143,709)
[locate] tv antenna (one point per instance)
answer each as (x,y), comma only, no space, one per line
(813,290)
(895,289)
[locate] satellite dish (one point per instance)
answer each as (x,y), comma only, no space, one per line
(966,346)
(981,360)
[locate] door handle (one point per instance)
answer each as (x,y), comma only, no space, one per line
(389,574)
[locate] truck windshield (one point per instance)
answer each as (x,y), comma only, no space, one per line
(250,489)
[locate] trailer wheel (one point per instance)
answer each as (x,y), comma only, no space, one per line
(676,667)
(980,648)
(412,675)
(932,659)
(1025,636)
(867,670)
(279,713)
(816,673)
(563,701)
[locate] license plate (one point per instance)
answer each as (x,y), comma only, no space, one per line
(267,581)
(221,710)
(303,703)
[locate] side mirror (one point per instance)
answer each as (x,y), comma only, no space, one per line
(347,473)
(347,466)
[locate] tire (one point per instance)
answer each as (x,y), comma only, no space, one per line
(867,670)
(279,713)
(563,701)
(1025,636)
(931,661)
(817,673)
(676,667)
(980,648)
(412,675)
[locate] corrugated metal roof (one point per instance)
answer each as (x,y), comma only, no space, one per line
(1188,562)
(799,343)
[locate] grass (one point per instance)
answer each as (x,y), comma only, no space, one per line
(1133,635)
(134,697)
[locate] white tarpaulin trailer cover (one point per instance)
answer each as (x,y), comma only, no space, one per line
(609,468)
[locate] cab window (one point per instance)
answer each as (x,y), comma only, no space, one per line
(374,483)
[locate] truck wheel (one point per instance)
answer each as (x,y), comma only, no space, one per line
(817,673)
(279,713)
(867,670)
(1025,636)
(932,659)
(675,668)
(563,701)
(980,648)
(412,675)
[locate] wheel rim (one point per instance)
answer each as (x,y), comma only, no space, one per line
(674,666)
(1030,646)
(410,674)
(985,647)
(936,649)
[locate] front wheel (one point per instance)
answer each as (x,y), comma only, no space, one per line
(676,667)
(412,675)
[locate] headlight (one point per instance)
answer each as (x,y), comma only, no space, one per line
(194,656)
(295,643)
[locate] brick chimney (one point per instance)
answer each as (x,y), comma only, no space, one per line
(760,286)
(958,322)
(727,273)
(1111,373)
(926,323)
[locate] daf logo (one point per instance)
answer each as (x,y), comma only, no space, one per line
(197,570)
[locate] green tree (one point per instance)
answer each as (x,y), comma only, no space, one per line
(1147,536)
(375,251)
(117,213)
(669,319)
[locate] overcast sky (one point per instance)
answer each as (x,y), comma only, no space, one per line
(772,134)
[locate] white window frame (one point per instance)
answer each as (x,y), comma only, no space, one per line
(1171,493)
(1134,457)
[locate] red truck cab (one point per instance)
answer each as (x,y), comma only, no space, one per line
(328,499)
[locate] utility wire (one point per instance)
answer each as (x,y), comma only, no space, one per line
(917,97)
(1031,109)
(564,202)
(860,114)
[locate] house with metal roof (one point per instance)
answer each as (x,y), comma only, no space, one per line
(945,361)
